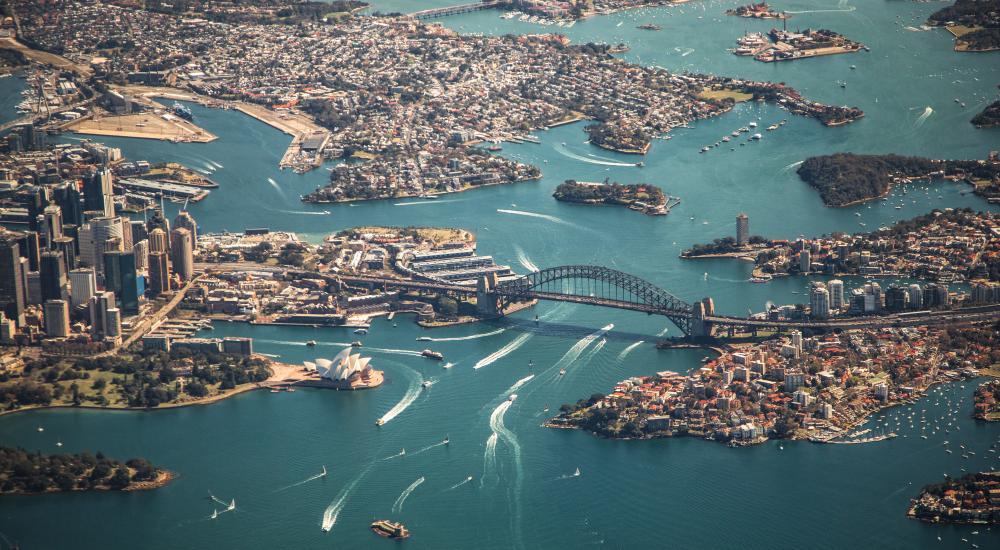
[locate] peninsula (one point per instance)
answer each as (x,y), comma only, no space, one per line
(26,473)
(641,197)
(989,118)
(408,100)
(818,388)
(986,401)
(971,499)
(951,245)
(846,179)
(974,23)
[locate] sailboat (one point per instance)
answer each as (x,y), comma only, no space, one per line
(232,505)
(324,471)
(576,473)
(215,514)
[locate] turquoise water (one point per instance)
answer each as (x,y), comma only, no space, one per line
(682,493)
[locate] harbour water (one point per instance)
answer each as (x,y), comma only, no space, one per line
(680,493)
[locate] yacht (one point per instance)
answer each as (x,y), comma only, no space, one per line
(311,343)
(430,354)
(361,331)
(356,344)
(512,397)
(424,339)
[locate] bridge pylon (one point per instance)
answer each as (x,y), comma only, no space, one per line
(699,326)
(487,298)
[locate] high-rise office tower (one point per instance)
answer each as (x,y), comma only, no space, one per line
(185,220)
(159,273)
(182,253)
(52,274)
(742,229)
(56,318)
(83,285)
(12,290)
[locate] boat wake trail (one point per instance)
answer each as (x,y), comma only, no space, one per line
(216,499)
(524,260)
(307,212)
(469,337)
(567,153)
(684,51)
(517,385)
(418,203)
(792,165)
(573,353)
(412,392)
(304,481)
(210,167)
(546,217)
(568,476)
(629,349)
(397,455)
(215,164)
(489,457)
(460,483)
(498,427)
(503,352)
(333,510)
(664,331)
(429,447)
(275,185)
(923,116)
(398,505)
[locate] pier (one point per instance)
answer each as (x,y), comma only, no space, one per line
(452,10)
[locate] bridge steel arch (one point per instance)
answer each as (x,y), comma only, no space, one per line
(597,285)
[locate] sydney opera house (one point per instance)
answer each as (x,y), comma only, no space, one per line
(346,371)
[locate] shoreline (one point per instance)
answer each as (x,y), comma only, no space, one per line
(305,198)
(163,478)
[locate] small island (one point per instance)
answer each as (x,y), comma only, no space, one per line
(641,197)
(986,401)
(632,140)
(989,118)
(757,11)
(25,473)
(846,179)
(972,499)
(789,46)
(974,23)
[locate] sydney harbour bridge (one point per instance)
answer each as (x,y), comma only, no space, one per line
(606,287)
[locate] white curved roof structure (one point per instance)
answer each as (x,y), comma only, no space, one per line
(342,367)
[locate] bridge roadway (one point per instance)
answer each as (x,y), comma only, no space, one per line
(452,10)
(965,315)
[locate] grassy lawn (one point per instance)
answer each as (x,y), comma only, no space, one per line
(961,30)
(993,371)
(738,97)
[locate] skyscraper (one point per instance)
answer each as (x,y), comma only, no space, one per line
(100,324)
(53,225)
(819,301)
(185,220)
(53,276)
(12,291)
(56,318)
(158,240)
(121,278)
(805,261)
(68,198)
(742,229)
(29,248)
(98,192)
(67,247)
(182,253)
(94,238)
(836,288)
(159,273)
(83,285)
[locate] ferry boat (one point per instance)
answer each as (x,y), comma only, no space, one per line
(356,344)
(649,27)
(390,529)
(379,422)
(182,111)
(430,354)
(512,397)
(494,148)
(361,331)
(311,343)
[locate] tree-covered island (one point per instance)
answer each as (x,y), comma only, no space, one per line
(845,179)
(974,23)
(23,472)
(641,197)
